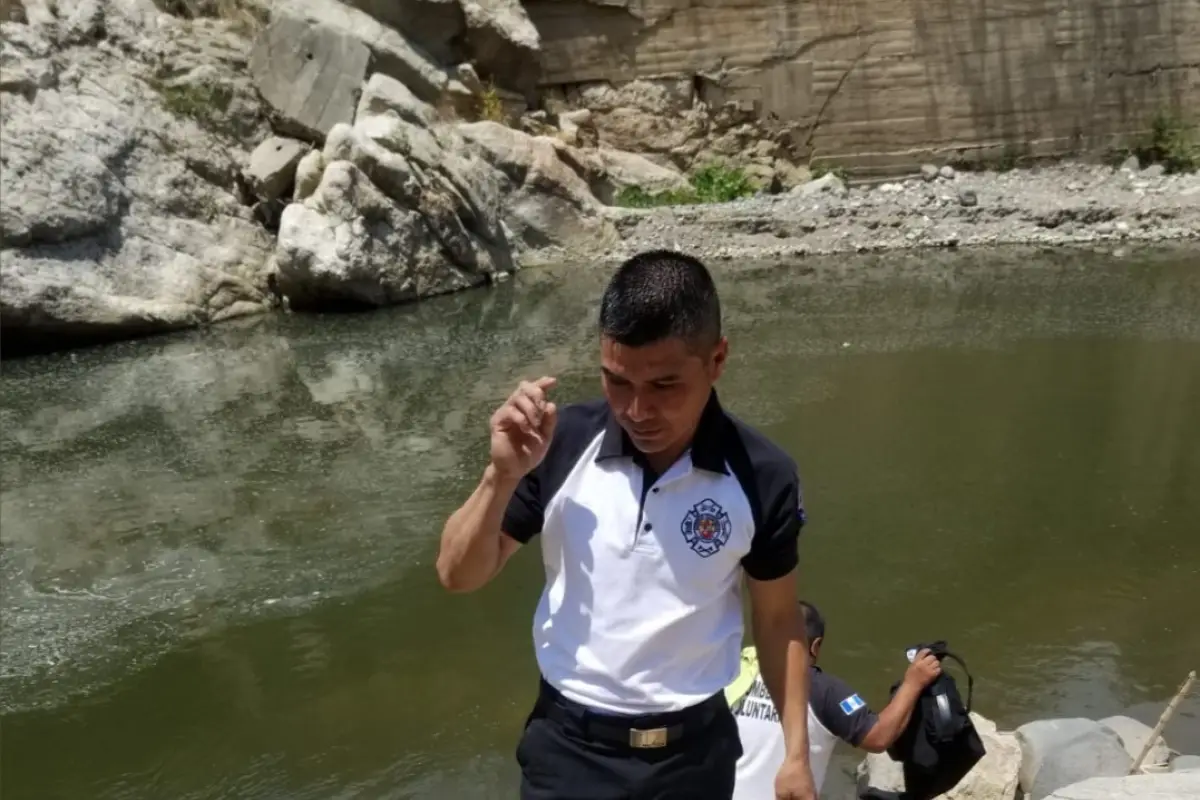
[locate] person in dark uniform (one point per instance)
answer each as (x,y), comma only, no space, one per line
(835,712)
(652,505)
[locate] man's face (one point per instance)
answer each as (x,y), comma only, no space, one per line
(658,392)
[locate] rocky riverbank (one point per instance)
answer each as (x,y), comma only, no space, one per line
(175,163)
(1057,759)
(1071,204)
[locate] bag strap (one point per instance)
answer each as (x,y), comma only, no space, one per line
(967,672)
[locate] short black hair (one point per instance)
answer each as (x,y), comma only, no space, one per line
(661,294)
(814,623)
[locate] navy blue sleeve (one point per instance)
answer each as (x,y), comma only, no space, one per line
(840,709)
(525,515)
(771,481)
(775,550)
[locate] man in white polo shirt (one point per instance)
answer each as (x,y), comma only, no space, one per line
(835,712)
(652,504)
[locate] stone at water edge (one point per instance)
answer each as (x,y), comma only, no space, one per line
(1186,764)
(929,172)
(326,255)
(1059,752)
(547,203)
(1166,786)
(1134,735)
(995,777)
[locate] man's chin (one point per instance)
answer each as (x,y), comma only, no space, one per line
(650,445)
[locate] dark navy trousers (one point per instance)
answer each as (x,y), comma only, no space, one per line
(568,752)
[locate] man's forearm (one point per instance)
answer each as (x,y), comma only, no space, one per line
(783,663)
(893,719)
(472,550)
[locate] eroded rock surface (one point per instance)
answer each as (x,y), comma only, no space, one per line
(122,131)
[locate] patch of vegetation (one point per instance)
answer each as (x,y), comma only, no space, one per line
(821,170)
(1008,159)
(710,184)
(203,102)
(1172,142)
(491,107)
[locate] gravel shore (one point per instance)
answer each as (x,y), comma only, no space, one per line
(1057,205)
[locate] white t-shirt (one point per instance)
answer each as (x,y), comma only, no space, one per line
(834,712)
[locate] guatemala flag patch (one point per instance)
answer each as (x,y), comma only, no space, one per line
(851,704)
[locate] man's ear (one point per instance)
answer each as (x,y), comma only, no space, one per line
(719,357)
(814,647)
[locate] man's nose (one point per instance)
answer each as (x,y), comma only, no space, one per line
(639,409)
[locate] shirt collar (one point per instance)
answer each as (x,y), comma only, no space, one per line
(708,443)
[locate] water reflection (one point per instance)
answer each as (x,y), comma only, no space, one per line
(220,543)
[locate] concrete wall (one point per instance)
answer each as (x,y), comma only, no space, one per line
(882,83)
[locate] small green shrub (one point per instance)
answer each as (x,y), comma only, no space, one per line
(710,184)
(718,184)
(1172,143)
(821,170)
(490,106)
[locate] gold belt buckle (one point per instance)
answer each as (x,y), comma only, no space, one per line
(653,737)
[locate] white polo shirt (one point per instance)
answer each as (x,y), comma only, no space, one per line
(835,712)
(641,612)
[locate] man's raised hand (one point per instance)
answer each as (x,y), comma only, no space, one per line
(522,428)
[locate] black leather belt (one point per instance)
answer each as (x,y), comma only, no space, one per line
(648,731)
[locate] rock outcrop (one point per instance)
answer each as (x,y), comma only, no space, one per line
(1059,752)
(1184,786)
(149,160)
(122,131)
(408,206)
(667,121)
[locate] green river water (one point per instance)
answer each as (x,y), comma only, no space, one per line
(217,559)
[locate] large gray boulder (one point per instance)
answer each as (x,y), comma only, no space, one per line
(351,244)
(609,171)
(1185,786)
(408,206)
(502,40)
(1059,752)
(1185,764)
(993,778)
(401,211)
(1134,735)
(309,72)
(436,24)
(547,203)
(496,35)
(120,208)
(310,62)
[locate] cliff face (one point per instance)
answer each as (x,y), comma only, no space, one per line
(171,163)
(888,83)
